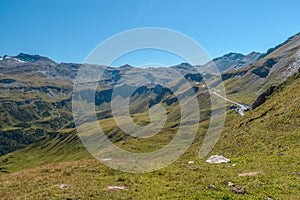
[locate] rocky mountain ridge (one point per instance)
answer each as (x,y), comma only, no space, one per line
(35,92)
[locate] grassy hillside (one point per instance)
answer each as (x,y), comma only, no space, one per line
(62,147)
(263,147)
(35,92)
(31,107)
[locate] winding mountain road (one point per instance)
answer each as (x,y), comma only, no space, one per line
(242,107)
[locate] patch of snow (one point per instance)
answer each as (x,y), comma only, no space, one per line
(191,162)
(216,159)
(19,61)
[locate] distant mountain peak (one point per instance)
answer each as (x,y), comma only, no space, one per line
(34,58)
(23,58)
(233,54)
(295,39)
(6,56)
(126,66)
(183,65)
(27,57)
(234,61)
(186,64)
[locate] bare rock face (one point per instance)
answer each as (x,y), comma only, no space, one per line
(263,97)
(217,160)
(234,61)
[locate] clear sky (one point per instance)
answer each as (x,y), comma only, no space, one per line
(67,30)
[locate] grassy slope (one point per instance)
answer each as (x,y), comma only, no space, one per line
(28,113)
(266,140)
(50,149)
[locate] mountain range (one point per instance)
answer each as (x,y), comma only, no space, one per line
(37,126)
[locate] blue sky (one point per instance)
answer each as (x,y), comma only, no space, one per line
(67,30)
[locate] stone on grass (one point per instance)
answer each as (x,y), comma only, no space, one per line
(63,186)
(250,174)
(211,186)
(230,184)
(217,159)
(238,190)
(114,188)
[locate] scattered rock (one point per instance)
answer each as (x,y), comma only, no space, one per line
(211,186)
(268,198)
(106,159)
(115,188)
(230,184)
(281,154)
(238,190)
(296,173)
(63,186)
(191,162)
(249,174)
(217,159)
(233,165)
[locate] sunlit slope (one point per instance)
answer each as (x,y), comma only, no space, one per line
(266,142)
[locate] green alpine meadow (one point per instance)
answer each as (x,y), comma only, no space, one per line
(151,124)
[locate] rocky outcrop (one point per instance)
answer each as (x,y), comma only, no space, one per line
(263,97)
(264,70)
